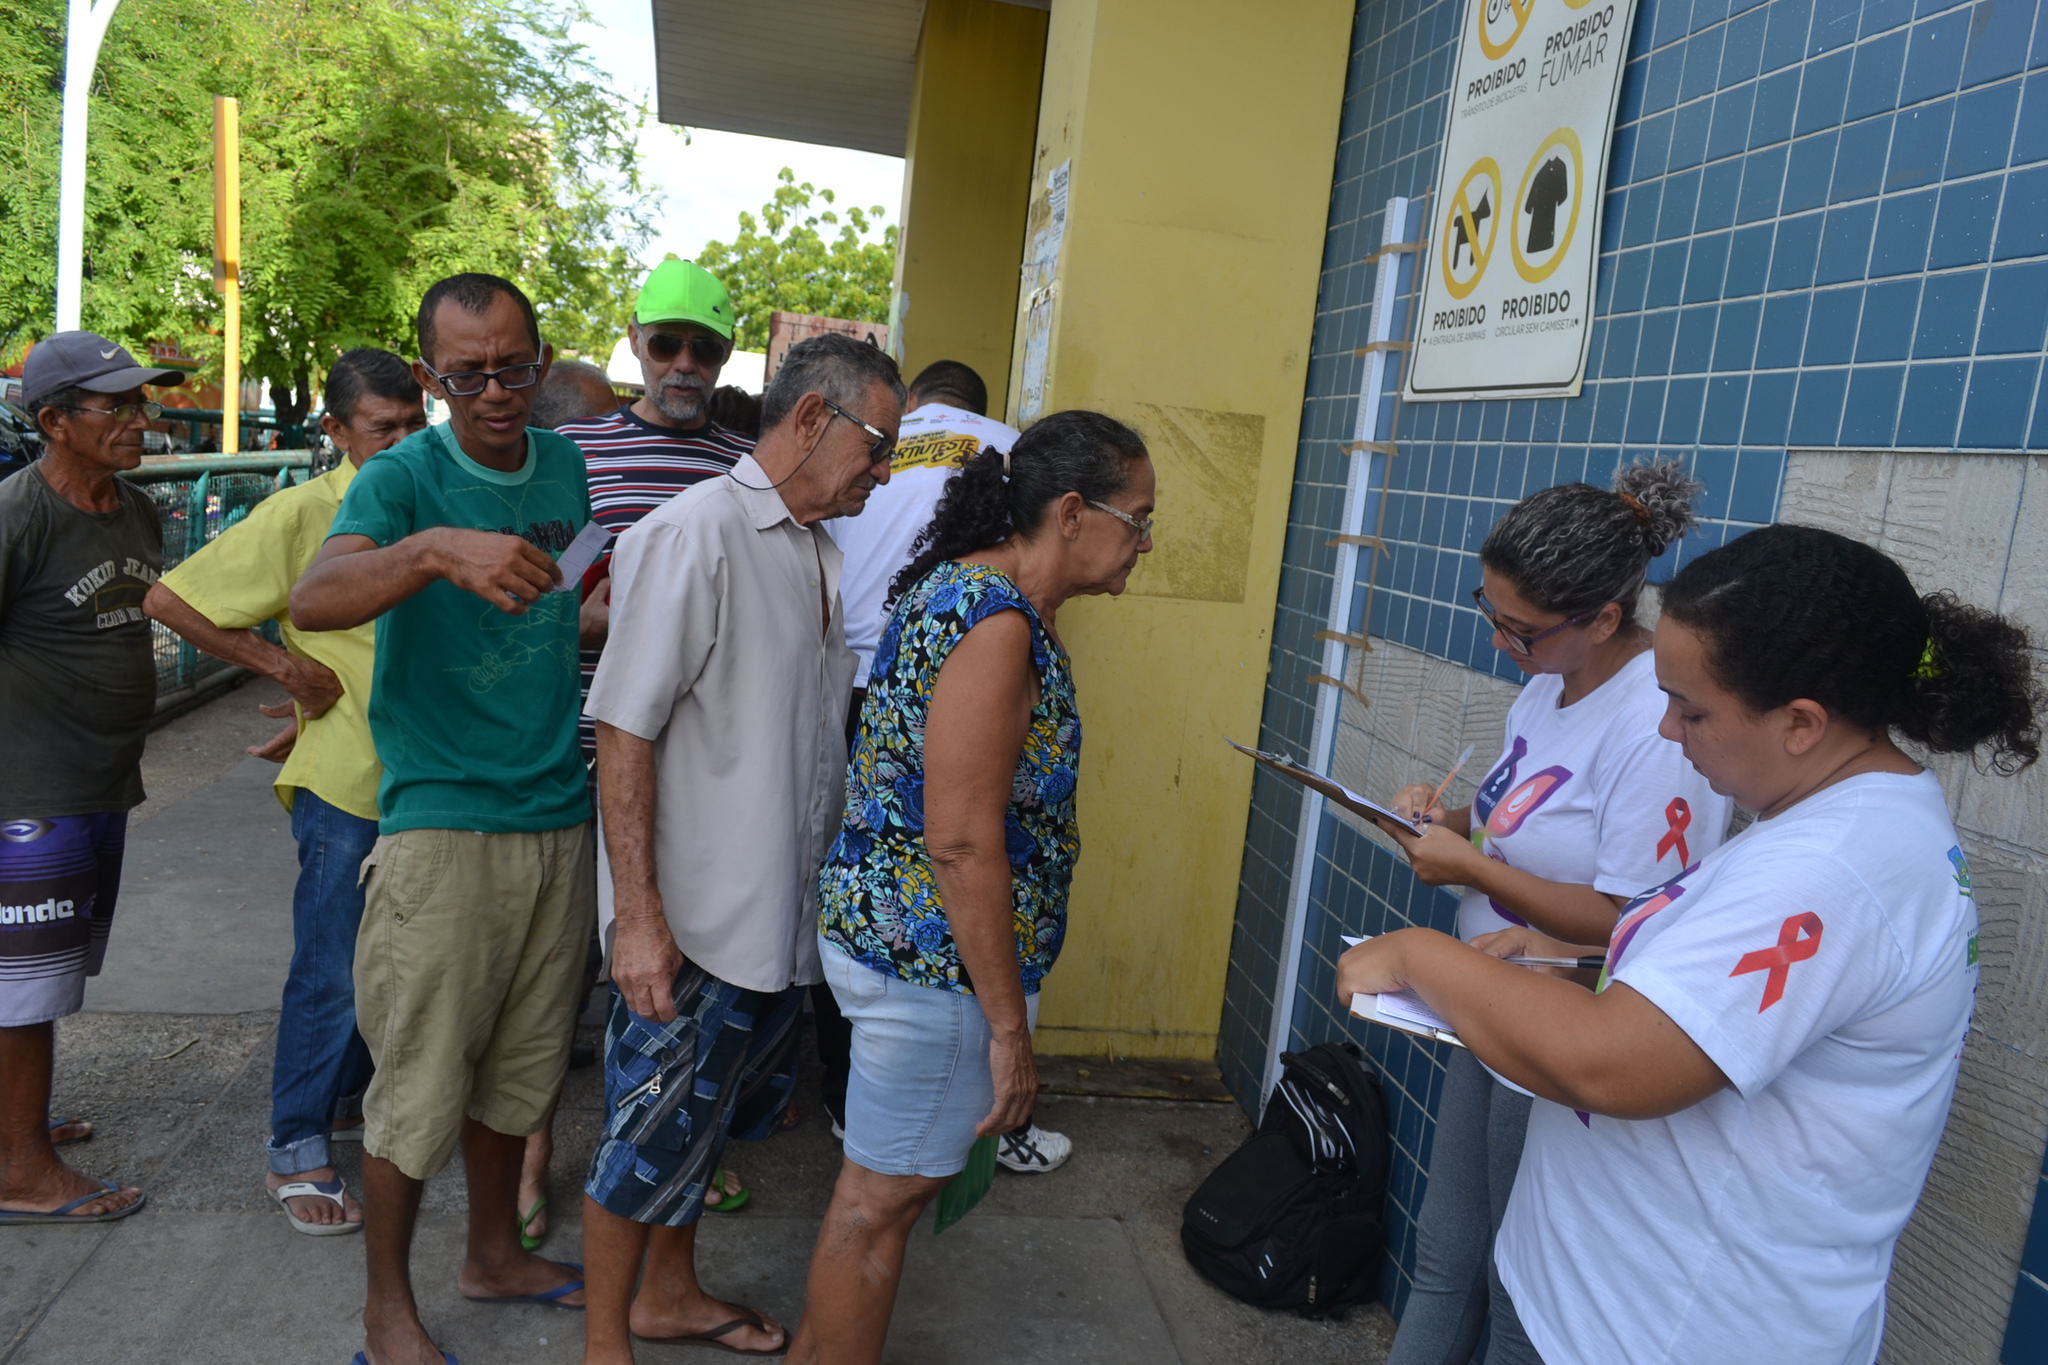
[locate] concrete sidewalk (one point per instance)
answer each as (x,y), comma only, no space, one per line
(172,1061)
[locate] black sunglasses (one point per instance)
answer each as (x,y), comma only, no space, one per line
(881,448)
(666,346)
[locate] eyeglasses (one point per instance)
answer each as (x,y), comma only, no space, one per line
(1143,526)
(877,452)
(125,412)
(666,346)
(470,383)
(1525,645)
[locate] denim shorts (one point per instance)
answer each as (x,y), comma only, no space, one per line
(920,1080)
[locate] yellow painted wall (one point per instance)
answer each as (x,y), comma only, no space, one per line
(1202,137)
(966,181)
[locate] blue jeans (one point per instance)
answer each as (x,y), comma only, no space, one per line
(321,1060)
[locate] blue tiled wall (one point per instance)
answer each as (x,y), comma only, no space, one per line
(2026,1331)
(1826,225)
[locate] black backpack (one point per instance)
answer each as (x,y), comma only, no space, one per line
(1291,1219)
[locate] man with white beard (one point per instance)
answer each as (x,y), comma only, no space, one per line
(643,454)
(639,457)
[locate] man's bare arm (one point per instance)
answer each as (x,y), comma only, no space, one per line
(645,958)
(353,579)
(311,683)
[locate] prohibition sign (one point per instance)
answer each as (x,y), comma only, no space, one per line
(1461,226)
(1569,140)
(1522,10)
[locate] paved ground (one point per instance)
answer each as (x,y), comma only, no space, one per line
(172,1060)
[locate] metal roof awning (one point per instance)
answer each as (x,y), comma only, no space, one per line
(836,72)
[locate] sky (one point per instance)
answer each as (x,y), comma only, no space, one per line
(703,183)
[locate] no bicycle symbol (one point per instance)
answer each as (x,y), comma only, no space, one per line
(1471,227)
(1496,15)
(1552,187)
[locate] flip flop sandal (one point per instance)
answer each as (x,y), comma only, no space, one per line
(729,1201)
(315,1189)
(550,1299)
(526,1237)
(85,1136)
(27,1217)
(714,1337)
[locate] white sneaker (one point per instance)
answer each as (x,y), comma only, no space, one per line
(1032,1149)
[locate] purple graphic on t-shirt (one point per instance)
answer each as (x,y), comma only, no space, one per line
(1502,805)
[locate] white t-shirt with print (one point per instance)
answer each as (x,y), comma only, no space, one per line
(1825,960)
(1591,794)
(877,542)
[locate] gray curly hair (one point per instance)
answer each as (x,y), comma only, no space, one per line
(1575,548)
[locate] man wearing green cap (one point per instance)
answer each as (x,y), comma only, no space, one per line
(642,455)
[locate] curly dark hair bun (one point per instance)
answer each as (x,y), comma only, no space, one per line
(1795,611)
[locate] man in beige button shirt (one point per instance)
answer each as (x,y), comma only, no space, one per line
(721,770)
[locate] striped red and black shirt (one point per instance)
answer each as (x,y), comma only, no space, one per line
(635,467)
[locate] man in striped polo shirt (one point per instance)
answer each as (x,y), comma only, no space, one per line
(642,455)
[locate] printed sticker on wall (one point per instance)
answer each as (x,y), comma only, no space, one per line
(1534,92)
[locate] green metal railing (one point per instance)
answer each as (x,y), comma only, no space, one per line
(197,497)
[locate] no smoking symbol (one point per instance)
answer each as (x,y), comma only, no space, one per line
(1471,227)
(1555,178)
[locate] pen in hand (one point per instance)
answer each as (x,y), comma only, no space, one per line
(1591,962)
(1422,816)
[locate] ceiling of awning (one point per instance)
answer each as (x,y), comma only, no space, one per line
(837,72)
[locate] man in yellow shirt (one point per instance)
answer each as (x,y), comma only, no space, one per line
(216,599)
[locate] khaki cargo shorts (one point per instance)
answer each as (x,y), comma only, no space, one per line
(469,968)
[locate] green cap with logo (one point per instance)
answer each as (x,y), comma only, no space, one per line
(683,291)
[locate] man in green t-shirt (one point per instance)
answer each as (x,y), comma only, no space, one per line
(480,892)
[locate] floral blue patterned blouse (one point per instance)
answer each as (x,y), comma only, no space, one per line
(879,902)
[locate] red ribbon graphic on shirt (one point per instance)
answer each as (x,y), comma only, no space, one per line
(1791,947)
(1677,816)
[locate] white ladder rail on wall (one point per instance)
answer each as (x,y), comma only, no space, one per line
(1364,504)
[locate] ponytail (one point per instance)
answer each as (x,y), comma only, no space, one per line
(996,496)
(1787,612)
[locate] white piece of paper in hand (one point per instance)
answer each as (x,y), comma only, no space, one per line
(581,554)
(1404,1010)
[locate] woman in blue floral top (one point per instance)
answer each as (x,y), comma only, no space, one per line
(944,899)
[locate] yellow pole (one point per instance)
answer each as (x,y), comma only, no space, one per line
(227,262)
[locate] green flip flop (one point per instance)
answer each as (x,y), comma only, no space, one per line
(728,1202)
(526,1238)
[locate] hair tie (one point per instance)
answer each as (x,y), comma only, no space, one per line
(1643,513)
(1928,669)
(1006,466)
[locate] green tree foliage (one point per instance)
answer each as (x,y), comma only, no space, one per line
(785,261)
(385,143)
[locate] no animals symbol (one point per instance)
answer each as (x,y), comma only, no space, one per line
(1471,227)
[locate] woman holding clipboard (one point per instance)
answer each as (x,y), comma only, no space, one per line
(1740,1115)
(1586,805)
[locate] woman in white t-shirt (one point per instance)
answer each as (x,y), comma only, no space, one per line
(1586,805)
(1740,1115)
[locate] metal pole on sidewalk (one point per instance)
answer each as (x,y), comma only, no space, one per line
(227,262)
(82,35)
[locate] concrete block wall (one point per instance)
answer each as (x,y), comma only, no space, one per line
(1826,228)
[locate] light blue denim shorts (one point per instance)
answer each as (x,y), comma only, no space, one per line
(920,1080)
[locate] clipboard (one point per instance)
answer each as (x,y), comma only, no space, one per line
(1330,788)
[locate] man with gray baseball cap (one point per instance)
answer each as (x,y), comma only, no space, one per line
(79,547)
